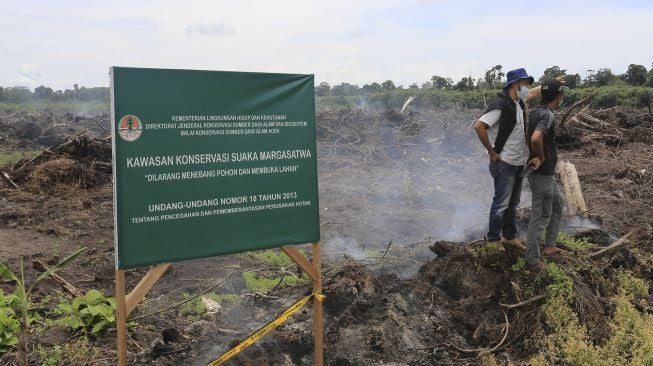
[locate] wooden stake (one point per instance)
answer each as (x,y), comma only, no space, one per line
(314,271)
(302,262)
(145,284)
(121,318)
(317,307)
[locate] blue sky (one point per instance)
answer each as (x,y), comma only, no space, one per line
(60,43)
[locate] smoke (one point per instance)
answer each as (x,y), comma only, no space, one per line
(337,247)
(387,176)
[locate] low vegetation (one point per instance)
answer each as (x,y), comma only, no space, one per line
(196,308)
(259,283)
(90,314)
(567,340)
(581,245)
(12,157)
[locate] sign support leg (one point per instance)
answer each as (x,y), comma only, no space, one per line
(121,319)
(317,307)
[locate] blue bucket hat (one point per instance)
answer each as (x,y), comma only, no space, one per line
(516,75)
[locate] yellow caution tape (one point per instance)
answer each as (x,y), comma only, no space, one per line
(266,329)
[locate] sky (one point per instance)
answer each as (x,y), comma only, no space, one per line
(61,43)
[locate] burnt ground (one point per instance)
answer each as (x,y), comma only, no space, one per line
(392,188)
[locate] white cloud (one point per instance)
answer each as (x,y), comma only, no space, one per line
(211,28)
(341,40)
(30,75)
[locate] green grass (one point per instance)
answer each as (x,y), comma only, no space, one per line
(566,340)
(73,106)
(487,249)
(631,286)
(581,245)
(520,265)
(195,309)
(271,257)
(258,283)
(8,158)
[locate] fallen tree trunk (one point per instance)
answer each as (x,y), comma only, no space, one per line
(571,186)
(589,119)
(580,102)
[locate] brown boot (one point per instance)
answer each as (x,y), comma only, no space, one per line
(551,250)
(515,243)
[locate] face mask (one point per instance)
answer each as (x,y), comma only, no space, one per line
(522,92)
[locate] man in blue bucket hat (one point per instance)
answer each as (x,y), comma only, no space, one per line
(505,121)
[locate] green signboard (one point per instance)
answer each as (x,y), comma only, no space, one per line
(209,163)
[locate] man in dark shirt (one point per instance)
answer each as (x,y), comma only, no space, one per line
(546,210)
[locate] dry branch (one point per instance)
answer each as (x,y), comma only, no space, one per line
(580,102)
(40,266)
(523,303)
(593,120)
(8,179)
(487,350)
(617,244)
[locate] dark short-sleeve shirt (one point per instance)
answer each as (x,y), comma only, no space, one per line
(541,118)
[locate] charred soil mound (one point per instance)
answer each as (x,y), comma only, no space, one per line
(78,162)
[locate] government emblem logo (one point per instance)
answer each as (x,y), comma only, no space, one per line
(130,128)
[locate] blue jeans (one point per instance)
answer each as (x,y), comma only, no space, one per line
(507,192)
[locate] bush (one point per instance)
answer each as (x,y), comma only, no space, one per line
(9,329)
(607,96)
(631,286)
(89,313)
(566,341)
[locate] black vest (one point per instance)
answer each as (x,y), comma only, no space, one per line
(507,120)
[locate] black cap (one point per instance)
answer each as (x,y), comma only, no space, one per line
(551,88)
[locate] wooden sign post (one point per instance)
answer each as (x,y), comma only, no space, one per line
(126,303)
(314,271)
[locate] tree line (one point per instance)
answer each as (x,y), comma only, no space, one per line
(635,75)
(22,94)
(494,77)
